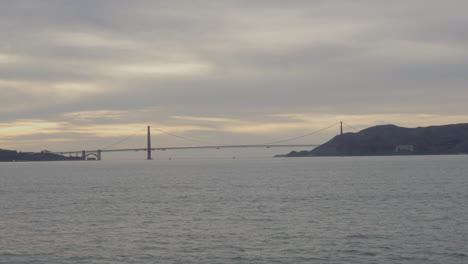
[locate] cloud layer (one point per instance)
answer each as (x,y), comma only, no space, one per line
(73,73)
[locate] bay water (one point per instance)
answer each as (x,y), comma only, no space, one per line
(406,209)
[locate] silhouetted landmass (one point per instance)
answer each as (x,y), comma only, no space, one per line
(12,155)
(394,140)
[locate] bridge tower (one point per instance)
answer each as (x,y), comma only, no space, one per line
(148,144)
(341,145)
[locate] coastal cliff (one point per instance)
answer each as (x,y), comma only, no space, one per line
(394,140)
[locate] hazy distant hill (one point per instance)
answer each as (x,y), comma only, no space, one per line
(11,155)
(394,140)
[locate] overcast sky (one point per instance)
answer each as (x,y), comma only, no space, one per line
(85,74)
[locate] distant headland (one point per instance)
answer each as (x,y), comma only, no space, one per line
(12,155)
(394,140)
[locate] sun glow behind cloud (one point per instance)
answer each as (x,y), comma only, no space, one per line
(163,69)
(90,116)
(205,119)
(9,58)
(29,127)
(71,89)
(62,88)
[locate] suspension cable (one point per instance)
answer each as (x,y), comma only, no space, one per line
(122,140)
(205,142)
(184,138)
(350,126)
(308,134)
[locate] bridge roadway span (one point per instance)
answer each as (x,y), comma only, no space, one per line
(181,148)
(97,153)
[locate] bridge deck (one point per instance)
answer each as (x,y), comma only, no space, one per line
(184,148)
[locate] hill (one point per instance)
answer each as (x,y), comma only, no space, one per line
(12,155)
(395,140)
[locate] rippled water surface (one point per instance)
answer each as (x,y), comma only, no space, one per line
(314,210)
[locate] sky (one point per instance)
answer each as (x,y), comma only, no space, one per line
(87,74)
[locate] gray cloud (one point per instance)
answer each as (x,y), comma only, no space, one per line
(231,59)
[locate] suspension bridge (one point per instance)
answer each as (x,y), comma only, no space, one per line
(97,153)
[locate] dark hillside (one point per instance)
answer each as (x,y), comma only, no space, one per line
(394,140)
